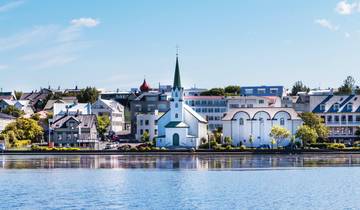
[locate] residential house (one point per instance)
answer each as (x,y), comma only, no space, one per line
(50,103)
(75,131)
(341,113)
(147,123)
(37,98)
(5,120)
(252,126)
(23,105)
(114,110)
(7,95)
(61,109)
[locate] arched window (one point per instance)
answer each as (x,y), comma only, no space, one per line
(241,121)
(176,105)
(282,121)
(176,115)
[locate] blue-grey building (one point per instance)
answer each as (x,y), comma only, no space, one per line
(263,91)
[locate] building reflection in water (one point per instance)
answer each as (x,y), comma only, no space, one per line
(198,162)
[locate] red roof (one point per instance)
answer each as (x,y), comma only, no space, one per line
(144,87)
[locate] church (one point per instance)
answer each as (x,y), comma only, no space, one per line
(180,126)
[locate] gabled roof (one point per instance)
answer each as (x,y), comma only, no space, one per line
(85,121)
(195,114)
(175,124)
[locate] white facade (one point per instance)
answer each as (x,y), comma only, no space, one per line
(114,110)
(235,102)
(147,123)
(256,123)
(181,126)
(61,109)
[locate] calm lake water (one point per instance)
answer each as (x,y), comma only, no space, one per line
(180,182)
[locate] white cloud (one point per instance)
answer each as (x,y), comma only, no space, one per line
(2,67)
(10,5)
(326,24)
(345,8)
(85,22)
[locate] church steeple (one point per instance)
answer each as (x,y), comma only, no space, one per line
(177,81)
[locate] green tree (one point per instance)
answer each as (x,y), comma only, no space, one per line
(347,87)
(232,90)
(228,140)
(18,94)
(103,124)
(307,134)
(279,133)
(314,121)
(12,110)
(145,137)
(214,92)
(299,87)
(24,129)
(88,95)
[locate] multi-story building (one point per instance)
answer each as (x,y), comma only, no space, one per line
(234,102)
(114,110)
(341,113)
(61,109)
(263,91)
(212,108)
(75,131)
(147,123)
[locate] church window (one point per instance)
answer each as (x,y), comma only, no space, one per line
(282,121)
(241,121)
(176,115)
(176,94)
(176,105)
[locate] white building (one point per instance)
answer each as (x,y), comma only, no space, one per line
(180,126)
(5,120)
(114,110)
(255,123)
(23,105)
(61,109)
(234,102)
(147,122)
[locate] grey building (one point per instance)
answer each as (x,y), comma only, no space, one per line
(75,131)
(146,103)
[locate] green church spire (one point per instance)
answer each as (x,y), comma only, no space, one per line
(177,81)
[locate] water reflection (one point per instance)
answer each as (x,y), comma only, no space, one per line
(176,161)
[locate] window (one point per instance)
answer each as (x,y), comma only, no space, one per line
(350,118)
(241,121)
(210,118)
(155,122)
(261,91)
(322,107)
(273,90)
(210,103)
(147,130)
(203,102)
(176,94)
(329,118)
(176,115)
(349,107)
(261,101)
(176,105)
(282,121)
(217,110)
(336,118)
(155,132)
(210,110)
(357,118)
(198,110)
(141,122)
(146,122)
(343,118)
(204,110)
(248,91)
(234,106)
(336,106)
(141,131)
(250,106)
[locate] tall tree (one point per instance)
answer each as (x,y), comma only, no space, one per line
(88,95)
(103,124)
(348,86)
(214,92)
(232,90)
(279,133)
(307,134)
(299,87)
(315,122)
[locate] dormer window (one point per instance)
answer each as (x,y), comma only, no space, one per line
(336,107)
(322,107)
(349,107)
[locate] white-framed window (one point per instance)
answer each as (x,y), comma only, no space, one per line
(349,106)
(261,101)
(336,106)
(248,91)
(176,105)
(261,91)
(176,115)
(322,107)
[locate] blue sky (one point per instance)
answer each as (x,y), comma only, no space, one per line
(114,44)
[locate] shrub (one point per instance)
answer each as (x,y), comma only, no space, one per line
(228,147)
(206,145)
(336,146)
(21,143)
(133,149)
(44,148)
(242,147)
